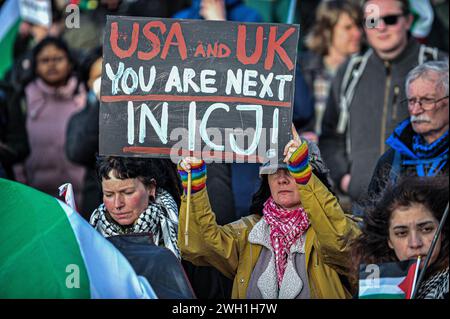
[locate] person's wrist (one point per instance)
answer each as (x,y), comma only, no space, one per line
(198,176)
(299,166)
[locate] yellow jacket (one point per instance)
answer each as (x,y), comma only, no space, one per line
(227,247)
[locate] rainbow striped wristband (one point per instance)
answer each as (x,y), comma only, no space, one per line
(198,177)
(299,166)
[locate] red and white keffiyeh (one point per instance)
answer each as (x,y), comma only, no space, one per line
(285,228)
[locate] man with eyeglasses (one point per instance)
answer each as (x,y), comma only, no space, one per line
(364,103)
(419,144)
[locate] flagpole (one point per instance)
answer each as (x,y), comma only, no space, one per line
(416,272)
(188,204)
(291,13)
(430,252)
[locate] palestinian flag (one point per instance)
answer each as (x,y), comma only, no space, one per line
(394,280)
(49,251)
(9,26)
(85,4)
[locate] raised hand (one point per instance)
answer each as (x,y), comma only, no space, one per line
(296,156)
(292,145)
(186,163)
(198,169)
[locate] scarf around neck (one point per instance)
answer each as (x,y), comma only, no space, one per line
(414,151)
(160,219)
(436,287)
(286,227)
(424,150)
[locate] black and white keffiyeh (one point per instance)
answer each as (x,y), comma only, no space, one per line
(436,287)
(160,218)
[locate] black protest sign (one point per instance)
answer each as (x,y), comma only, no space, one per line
(211,89)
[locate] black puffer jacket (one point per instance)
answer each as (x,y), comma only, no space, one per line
(82,148)
(14,146)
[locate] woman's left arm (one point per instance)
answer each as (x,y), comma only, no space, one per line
(334,230)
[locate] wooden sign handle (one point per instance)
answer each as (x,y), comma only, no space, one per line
(188,206)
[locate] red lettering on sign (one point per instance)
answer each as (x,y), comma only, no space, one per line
(241,45)
(114,38)
(224,51)
(200,50)
(275,46)
(212,50)
(154,40)
(175,32)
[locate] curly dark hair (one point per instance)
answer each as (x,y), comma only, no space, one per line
(372,246)
(147,170)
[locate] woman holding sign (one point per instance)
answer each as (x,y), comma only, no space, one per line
(295,243)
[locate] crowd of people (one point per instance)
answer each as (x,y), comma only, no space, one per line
(364,178)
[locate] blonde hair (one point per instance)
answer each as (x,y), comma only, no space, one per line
(320,37)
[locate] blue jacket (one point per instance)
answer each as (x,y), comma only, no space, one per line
(402,158)
(426,165)
(303,112)
(236,11)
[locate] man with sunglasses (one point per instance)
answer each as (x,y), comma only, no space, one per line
(364,103)
(419,145)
